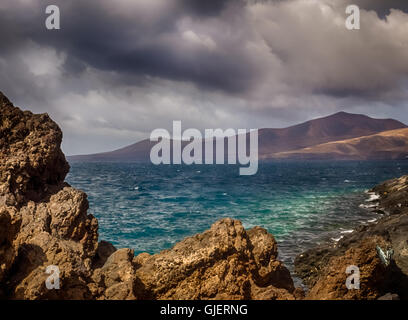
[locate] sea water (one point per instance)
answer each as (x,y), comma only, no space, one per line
(149,208)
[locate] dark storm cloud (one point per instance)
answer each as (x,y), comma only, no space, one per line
(117,69)
(139,42)
(383,7)
(205,8)
(134,44)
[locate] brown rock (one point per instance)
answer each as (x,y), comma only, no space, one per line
(393,196)
(30,154)
(44,222)
(389,296)
(103,252)
(331,284)
(116,280)
(323,268)
(225,262)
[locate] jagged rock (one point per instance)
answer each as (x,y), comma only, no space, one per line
(116,279)
(30,154)
(323,268)
(44,222)
(225,262)
(8,232)
(393,196)
(389,296)
(103,252)
(58,232)
(331,284)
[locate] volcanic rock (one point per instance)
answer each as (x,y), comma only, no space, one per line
(323,268)
(225,262)
(45,222)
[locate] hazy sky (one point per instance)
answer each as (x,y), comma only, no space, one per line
(119,69)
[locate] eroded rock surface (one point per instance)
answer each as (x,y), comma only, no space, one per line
(44,222)
(323,268)
(225,262)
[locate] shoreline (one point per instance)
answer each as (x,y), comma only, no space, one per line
(328,240)
(45,222)
(315,266)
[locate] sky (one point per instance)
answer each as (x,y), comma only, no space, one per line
(116,70)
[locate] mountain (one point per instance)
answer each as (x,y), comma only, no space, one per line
(337,127)
(392,144)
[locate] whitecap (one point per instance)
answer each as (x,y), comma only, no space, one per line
(373,197)
(337,239)
(347,231)
(368,206)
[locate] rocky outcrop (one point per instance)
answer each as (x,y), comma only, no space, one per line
(393,196)
(225,262)
(44,222)
(323,268)
(30,156)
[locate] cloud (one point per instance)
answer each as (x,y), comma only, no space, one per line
(381,7)
(118,69)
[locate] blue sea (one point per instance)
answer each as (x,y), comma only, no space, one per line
(149,208)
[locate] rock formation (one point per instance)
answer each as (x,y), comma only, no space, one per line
(225,262)
(44,222)
(323,268)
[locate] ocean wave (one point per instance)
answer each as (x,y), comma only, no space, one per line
(373,196)
(368,206)
(337,239)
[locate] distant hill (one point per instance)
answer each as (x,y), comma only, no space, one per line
(337,127)
(392,144)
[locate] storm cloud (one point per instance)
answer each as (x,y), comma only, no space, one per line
(118,69)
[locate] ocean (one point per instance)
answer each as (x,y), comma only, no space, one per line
(149,208)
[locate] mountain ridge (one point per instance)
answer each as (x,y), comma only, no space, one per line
(391,144)
(335,127)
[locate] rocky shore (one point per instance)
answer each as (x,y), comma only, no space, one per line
(45,222)
(323,268)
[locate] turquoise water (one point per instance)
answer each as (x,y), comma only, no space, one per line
(149,208)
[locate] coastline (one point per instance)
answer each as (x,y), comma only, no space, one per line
(317,266)
(371,204)
(45,222)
